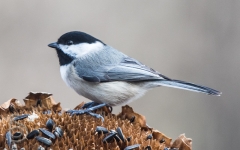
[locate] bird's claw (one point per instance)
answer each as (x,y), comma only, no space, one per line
(96,115)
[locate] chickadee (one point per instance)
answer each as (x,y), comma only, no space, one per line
(103,74)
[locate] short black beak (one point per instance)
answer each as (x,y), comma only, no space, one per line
(54,45)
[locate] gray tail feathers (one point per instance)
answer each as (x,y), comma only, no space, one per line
(189,86)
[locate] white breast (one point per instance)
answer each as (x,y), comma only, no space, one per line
(111,93)
(64,70)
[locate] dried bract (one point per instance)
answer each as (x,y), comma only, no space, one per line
(128,113)
(183,143)
(41,99)
(10,106)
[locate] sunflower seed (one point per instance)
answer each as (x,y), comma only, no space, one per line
(11,108)
(129,138)
(132,119)
(120,134)
(109,137)
(8,138)
(40,147)
(110,108)
(162,140)
(32,134)
(39,102)
(44,140)
(49,124)
(148,148)
(58,132)
(132,147)
(17,136)
(20,117)
(14,147)
(117,138)
(149,136)
(101,129)
(47,133)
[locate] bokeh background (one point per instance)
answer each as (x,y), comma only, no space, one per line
(195,41)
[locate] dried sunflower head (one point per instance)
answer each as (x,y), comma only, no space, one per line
(29,128)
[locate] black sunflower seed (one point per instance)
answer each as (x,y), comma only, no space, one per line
(8,138)
(39,102)
(129,138)
(47,133)
(11,108)
(49,124)
(113,131)
(32,134)
(110,108)
(58,132)
(162,140)
(132,119)
(14,147)
(148,148)
(44,140)
(40,147)
(117,138)
(109,137)
(100,129)
(120,134)
(131,147)
(17,136)
(20,117)
(149,136)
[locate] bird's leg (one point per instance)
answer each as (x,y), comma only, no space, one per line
(89,104)
(89,108)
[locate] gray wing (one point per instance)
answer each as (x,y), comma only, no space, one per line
(128,69)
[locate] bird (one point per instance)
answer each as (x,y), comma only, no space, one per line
(107,76)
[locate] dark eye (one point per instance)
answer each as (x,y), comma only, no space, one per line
(69,42)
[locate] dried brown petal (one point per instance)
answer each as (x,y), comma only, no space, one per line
(159,136)
(57,107)
(42,100)
(10,104)
(128,113)
(183,143)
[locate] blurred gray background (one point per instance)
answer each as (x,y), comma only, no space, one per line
(195,41)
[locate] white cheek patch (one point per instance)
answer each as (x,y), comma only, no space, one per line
(82,49)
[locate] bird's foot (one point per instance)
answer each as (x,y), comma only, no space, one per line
(91,106)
